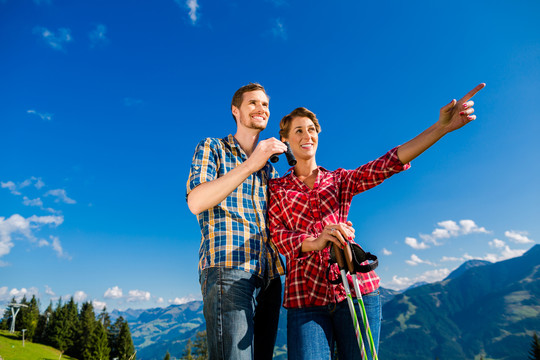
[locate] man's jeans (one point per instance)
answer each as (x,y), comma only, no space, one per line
(311,332)
(241,312)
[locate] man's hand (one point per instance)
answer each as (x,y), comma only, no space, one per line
(459,113)
(263,151)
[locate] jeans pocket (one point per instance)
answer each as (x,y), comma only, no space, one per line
(204,282)
(373,293)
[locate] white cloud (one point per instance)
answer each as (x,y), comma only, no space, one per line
(412,242)
(32,202)
(13,188)
(496,243)
(43,116)
(450,258)
(6,295)
(39,183)
(519,237)
(192,6)
(450,228)
(400,283)
(10,185)
(98,36)
(138,295)
(278,30)
(113,293)
(505,253)
(49,219)
(183,300)
(56,41)
(386,252)
(469,227)
(80,296)
(57,246)
(49,291)
(415,260)
(99,305)
(160,300)
(60,195)
(43,242)
(16,225)
(508,253)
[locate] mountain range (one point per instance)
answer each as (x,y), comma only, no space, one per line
(481,309)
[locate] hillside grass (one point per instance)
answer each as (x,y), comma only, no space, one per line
(11,349)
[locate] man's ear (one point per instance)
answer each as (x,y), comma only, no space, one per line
(235,111)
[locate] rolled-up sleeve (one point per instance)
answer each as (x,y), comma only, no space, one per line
(288,243)
(373,173)
(204,165)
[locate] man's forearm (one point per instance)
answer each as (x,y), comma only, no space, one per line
(209,194)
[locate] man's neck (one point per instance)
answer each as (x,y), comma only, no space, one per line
(248,140)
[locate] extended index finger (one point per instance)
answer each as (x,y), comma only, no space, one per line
(473,92)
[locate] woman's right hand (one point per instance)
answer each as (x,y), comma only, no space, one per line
(338,234)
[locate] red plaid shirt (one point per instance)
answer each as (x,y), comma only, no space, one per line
(297,212)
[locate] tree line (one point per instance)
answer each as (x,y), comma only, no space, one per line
(77,333)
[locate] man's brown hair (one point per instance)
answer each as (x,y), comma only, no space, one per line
(238,96)
(285,124)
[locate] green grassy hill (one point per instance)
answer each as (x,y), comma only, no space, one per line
(11,349)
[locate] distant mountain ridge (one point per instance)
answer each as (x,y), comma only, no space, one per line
(489,310)
(480,308)
(466,266)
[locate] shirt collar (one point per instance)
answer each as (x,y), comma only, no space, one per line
(293,179)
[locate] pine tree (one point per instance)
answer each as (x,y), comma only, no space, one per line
(198,349)
(19,320)
(125,343)
(43,327)
(30,316)
(167,356)
(87,324)
(99,343)
(121,344)
(114,331)
(201,346)
(188,351)
(105,319)
(73,323)
(534,352)
(59,331)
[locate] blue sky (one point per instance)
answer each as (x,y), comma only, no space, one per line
(103,102)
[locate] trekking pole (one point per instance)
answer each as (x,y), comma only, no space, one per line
(352,271)
(342,270)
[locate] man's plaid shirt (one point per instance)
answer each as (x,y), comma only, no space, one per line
(235,232)
(297,212)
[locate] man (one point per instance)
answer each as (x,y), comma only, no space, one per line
(239,267)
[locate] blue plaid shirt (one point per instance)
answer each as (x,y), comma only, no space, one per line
(235,232)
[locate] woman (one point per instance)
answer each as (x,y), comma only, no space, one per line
(308,210)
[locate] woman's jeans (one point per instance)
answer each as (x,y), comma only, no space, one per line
(241,312)
(312,331)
